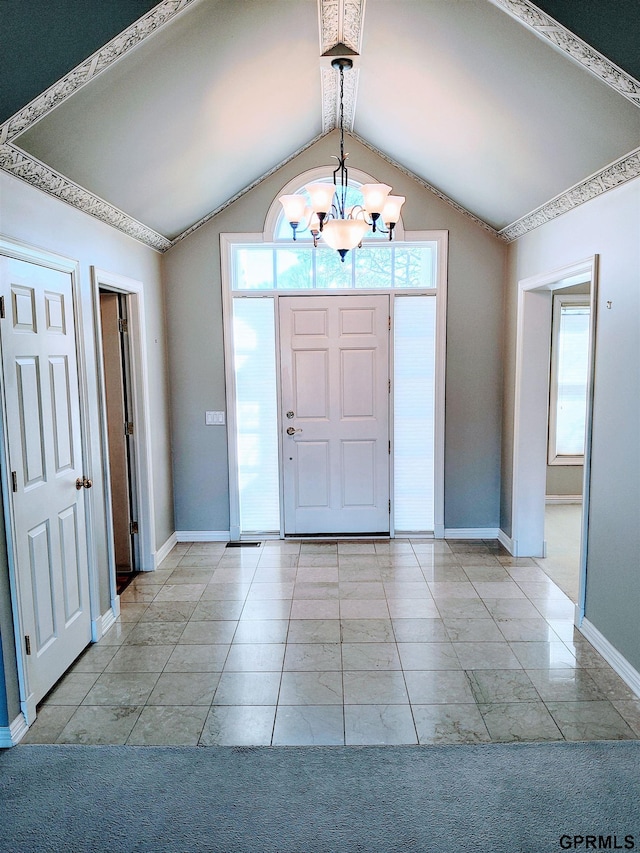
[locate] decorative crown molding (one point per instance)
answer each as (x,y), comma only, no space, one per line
(91,67)
(341,23)
(24,166)
(331,98)
(619,172)
(548,28)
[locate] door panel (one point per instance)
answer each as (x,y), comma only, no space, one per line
(44,447)
(358,383)
(313,474)
(31,426)
(335,374)
(42,580)
(62,412)
(311,383)
(358,473)
(68,523)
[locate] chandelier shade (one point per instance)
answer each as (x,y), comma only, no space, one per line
(294,207)
(374,197)
(344,234)
(323,206)
(321,197)
(391,209)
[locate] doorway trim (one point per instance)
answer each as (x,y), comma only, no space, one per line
(227,242)
(133,290)
(531,408)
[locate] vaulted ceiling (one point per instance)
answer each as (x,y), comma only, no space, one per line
(490,102)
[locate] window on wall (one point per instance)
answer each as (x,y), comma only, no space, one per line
(377,266)
(568,385)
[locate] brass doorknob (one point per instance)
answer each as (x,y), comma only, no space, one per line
(83,483)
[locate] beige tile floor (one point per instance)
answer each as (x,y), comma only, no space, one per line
(562,530)
(361,642)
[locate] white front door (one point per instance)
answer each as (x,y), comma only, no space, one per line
(335,413)
(41,402)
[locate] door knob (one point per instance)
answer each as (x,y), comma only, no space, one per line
(83,482)
(292,431)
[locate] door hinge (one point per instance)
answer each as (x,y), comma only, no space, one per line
(133,528)
(389,386)
(128,428)
(389,322)
(2,315)
(389,506)
(27,644)
(14,481)
(123,326)
(389,446)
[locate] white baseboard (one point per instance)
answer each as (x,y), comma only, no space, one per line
(163,550)
(13,734)
(202,536)
(471,533)
(104,622)
(506,542)
(563,499)
(101,625)
(612,656)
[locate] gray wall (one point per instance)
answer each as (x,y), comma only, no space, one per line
(474,329)
(35,218)
(564,479)
(608,226)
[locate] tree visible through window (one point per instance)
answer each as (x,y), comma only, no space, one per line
(373,267)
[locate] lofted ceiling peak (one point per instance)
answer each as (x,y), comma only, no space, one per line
(492,104)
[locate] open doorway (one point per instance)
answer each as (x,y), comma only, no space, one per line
(568,378)
(127,492)
(530,526)
(116,362)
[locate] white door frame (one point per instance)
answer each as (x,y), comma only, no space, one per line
(531,408)
(34,255)
(134,292)
(227,242)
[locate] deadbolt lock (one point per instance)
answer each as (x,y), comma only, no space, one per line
(290,415)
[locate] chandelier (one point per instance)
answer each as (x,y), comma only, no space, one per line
(325,212)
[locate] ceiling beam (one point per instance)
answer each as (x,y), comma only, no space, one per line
(340,23)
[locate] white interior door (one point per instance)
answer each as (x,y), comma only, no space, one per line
(45,457)
(335,413)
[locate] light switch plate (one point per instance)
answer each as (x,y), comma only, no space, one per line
(214,418)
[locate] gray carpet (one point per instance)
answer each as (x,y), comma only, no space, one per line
(498,798)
